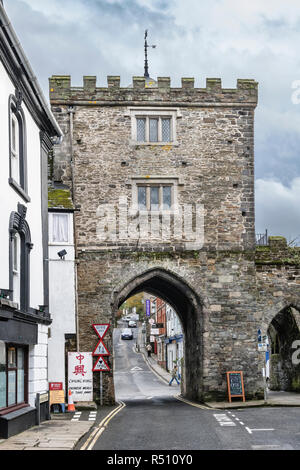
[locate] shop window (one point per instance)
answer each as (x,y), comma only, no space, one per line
(12,375)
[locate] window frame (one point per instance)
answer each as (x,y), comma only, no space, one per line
(21,404)
(155,181)
(160,187)
(16,115)
(153,113)
(70,232)
(18,224)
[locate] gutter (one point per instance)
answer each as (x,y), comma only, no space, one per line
(36,92)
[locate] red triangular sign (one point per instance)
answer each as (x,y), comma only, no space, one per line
(101,350)
(101,365)
(101,329)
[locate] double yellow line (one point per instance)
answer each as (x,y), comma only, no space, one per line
(94,436)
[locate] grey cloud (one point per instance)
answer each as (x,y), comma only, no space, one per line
(107,39)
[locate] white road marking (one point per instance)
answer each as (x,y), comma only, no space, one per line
(270,429)
(76,416)
(224,420)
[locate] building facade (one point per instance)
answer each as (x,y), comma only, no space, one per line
(62,279)
(27,132)
(163,180)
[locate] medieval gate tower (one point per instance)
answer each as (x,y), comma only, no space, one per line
(163,182)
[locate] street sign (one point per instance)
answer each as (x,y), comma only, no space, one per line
(151,321)
(148,308)
(263,347)
(101,350)
(101,365)
(80,377)
(55,386)
(152,339)
(154,331)
(101,329)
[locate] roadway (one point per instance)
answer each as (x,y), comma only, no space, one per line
(154,419)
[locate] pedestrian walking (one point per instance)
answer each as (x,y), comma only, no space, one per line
(174,376)
(149,349)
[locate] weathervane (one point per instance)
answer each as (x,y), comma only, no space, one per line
(146,72)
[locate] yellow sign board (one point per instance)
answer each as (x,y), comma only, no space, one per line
(57,396)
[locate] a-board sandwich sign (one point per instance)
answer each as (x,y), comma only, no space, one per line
(235,384)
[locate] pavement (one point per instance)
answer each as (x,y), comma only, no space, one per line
(62,432)
(273,398)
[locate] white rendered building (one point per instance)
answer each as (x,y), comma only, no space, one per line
(62,278)
(27,132)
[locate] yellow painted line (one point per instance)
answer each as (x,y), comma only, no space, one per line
(94,436)
(188,402)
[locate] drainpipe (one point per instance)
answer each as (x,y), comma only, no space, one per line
(71,112)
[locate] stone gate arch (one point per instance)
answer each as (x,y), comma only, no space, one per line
(189,307)
(283,331)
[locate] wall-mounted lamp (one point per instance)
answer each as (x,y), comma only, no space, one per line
(62,254)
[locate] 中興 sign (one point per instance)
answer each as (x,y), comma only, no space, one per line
(80,375)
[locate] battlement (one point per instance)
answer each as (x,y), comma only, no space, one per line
(145,90)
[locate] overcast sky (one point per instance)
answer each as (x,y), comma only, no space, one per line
(229,39)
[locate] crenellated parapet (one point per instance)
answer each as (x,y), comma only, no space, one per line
(157,92)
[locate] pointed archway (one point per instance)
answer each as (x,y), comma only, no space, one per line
(284,333)
(187,304)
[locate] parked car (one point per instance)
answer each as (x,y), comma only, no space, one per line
(132,324)
(126,334)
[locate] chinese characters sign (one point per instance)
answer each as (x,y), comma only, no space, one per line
(80,376)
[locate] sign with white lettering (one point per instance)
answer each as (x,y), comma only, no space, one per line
(80,376)
(154,331)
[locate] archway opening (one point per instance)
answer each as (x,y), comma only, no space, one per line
(179,297)
(284,338)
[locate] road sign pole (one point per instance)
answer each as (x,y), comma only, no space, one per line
(101,389)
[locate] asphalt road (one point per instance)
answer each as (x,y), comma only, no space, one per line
(154,419)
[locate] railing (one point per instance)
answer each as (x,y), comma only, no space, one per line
(261,239)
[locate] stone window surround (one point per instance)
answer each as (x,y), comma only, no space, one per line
(150,111)
(173,181)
